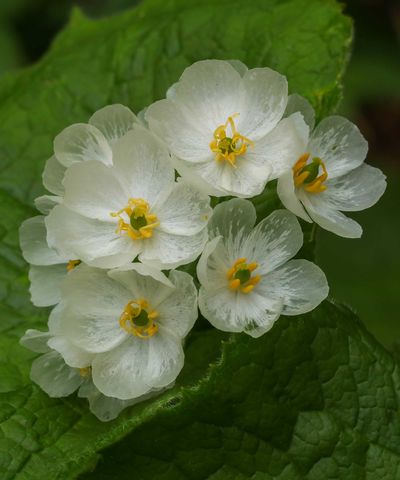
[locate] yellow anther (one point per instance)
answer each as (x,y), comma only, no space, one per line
(240,276)
(227,148)
(138,319)
(136,220)
(234,284)
(72,264)
(306,174)
(85,372)
(248,289)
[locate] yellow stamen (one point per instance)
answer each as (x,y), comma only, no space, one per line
(305,174)
(234,284)
(136,220)
(72,264)
(138,319)
(227,148)
(240,276)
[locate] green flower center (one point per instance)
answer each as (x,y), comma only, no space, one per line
(138,222)
(227,145)
(142,319)
(243,275)
(313,169)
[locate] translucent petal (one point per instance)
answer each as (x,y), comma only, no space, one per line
(300,284)
(53,376)
(114,121)
(274,241)
(80,142)
(339,144)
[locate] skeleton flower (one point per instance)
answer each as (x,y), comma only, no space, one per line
(76,143)
(223,124)
(111,214)
(246,275)
(133,320)
(329,175)
(87,141)
(58,379)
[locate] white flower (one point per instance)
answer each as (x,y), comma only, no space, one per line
(223,124)
(49,370)
(87,141)
(111,214)
(133,321)
(329,175)
(76,143)
(246,275)
(48,268)
(58,379)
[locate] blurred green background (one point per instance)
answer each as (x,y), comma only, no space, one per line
(362,273)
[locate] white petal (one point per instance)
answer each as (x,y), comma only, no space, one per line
(143,281)
(46,203)
(72,355)
(264,103)
(247,180)
(288,196)
(53,175)
(231,217)
(91,290)
(232,311)
(186,137)
(211,91)
(46,284)
(239,66)
(299,283)
(142,163)
(357,190)
(81,142)
(94,190)
(55,318)
(141,270)
(178,312)
(171,91)
(279,150)
(206,176)
(165,359)
(94,332)
(53,376)
(273,241)
(184,212)
(138,365)
(103,407)
(213,264)
(113,121)
(165,251)
(330,219)
(297,103)
(36,341)
(92,241)
(191,176)
(339,144)
(32,236)
(119,373)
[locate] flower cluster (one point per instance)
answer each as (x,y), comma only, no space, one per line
(130,204)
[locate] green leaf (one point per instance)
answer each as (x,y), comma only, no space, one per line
(315,398)
(315,393)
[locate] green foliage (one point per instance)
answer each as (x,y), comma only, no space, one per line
(315,397)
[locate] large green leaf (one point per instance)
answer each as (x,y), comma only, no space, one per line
(316,398)
(316,393)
